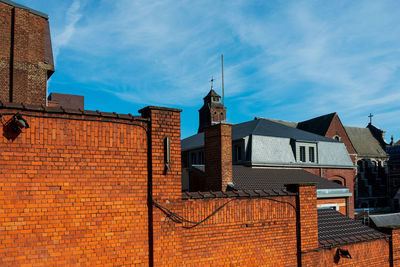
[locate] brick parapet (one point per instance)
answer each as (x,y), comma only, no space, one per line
(70,190)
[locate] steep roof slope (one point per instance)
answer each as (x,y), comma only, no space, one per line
(265,127)
(364,142)
(318,125)
(335,229)
(246,178)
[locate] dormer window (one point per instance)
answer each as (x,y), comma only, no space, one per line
(306,152)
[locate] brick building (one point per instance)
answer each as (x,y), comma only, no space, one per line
(80,187)
(264,143)
(366,147)
(26,58)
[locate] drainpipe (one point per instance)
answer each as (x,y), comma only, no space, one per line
(150,196)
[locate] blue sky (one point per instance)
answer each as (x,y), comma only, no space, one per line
(289,60)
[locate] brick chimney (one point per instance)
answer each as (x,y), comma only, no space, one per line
(26,59)
(218,156)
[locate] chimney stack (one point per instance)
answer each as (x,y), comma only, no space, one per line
(218,156)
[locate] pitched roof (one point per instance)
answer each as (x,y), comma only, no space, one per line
(364,142)
(384,220)
(287,123)
(266,127)
(212,93)
(247,178)
(263,127)
(318,125)
(335,229)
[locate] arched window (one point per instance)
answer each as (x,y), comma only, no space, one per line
(336,137)
(375,166)
(360,165)
(338,182)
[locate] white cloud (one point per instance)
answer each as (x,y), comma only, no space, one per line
(73,15)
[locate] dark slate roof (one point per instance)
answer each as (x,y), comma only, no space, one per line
(212,93)
(318,125)
(336,229)
(263,127)
(11,3)
(236,194)
(194,141)
(287,123)
(384,220)
(247,178)
(266,127)
(364,142)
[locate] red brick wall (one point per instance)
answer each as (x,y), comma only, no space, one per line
(247,232)
(23,45)
(348,176)
(373,253)
(336,128)
(395,246)
(166,185)
(342,203)
(74,192)
(5,42)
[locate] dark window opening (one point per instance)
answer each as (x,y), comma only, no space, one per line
(311,154)
(360,165)
(338,182)
(201,157)
(238,152)
(193,158)
(303,154)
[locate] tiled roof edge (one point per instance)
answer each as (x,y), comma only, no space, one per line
(67,111)
(236,194)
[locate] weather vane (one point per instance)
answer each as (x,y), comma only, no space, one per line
(212,82)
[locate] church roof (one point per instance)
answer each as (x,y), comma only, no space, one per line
(364,142)
(211,94)
(318,125)
(287,123)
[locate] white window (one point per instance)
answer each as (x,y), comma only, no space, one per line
(306,152)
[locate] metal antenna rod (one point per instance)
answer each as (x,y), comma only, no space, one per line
(223,94)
